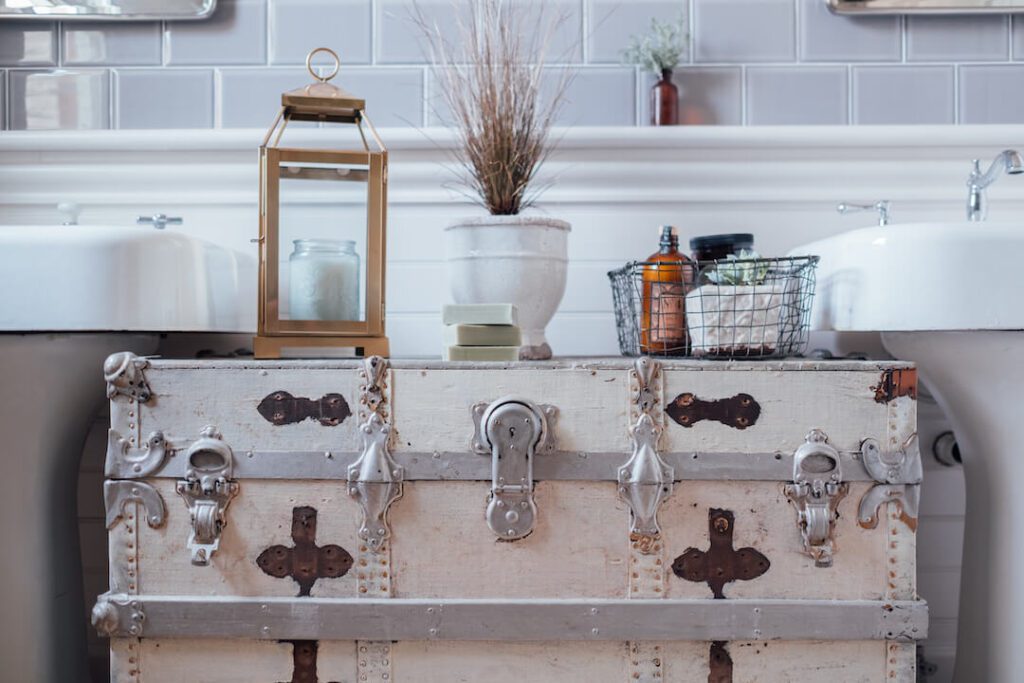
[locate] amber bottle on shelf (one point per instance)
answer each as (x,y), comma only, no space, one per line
(666,278)
(665,101)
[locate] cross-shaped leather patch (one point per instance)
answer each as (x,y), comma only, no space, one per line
(720,564)
(306,561)
(719,663)
(304,654)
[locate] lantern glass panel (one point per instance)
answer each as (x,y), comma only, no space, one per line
(322,232)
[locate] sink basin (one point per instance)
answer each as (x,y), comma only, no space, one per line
(920,276)
(73,295)
(91,277)
(948,297)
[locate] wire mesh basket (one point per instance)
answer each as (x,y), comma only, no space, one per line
(727,309)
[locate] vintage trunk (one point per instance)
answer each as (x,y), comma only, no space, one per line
(590,521)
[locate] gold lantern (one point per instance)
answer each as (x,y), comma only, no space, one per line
(330,204)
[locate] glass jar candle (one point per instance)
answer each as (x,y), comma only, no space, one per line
(323,280)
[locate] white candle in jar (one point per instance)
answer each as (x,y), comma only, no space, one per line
(323,280)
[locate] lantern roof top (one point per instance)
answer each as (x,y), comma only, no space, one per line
(322,96)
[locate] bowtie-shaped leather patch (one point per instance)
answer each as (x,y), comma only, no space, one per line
(281,408)
(739,411)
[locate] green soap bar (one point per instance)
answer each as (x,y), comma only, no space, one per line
(481,353)
(479,314)
(482,335)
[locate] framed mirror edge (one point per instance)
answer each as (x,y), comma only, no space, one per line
(855,7)
(131,10)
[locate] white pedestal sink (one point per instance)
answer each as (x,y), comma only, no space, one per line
(73,295)
(948,296)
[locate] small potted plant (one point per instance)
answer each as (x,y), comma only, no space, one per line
(659,52)
(503,103)
(738,310)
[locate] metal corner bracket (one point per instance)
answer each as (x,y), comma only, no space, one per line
(118,614)
(118,493)
(207,489)
(816,491)
(898,475)
(512,431)
(124,461)
(123,372)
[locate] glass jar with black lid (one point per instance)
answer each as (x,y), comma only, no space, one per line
(717,247)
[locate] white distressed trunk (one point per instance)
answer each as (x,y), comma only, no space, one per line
(237,620)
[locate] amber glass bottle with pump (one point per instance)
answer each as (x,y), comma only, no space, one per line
(667,277)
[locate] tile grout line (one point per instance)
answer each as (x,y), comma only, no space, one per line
(849,95)
(1012,48)
(903,39)
(113,97)
(218,99)
(956,93)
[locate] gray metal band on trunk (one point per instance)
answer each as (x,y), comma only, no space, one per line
(519,620)
(560,465)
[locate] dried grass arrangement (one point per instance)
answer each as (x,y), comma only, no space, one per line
(501,99)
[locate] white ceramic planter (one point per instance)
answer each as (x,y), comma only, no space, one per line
(511,259)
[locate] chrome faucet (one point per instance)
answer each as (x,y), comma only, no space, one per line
(1009,160)
(883,207)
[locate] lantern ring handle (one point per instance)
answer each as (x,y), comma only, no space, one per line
(309,64)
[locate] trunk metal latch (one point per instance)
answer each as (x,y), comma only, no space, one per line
(207,490)
(645,480)
(816,491)
(513,431)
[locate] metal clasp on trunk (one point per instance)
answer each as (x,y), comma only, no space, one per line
(207,489)
(513,431)
(375,481)
(645,481)
(899,476)
(816,491)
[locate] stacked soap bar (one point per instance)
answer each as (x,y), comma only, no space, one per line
(481,332)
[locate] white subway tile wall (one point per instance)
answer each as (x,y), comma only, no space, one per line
(744,30)
(31,44)
(235,34)
(59,100)
(903,94)
(812,95)
(105,43)
(610,23)
(958,39)
(750,62)
(827,38)
(295,25)
(991,94)
(164,98)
